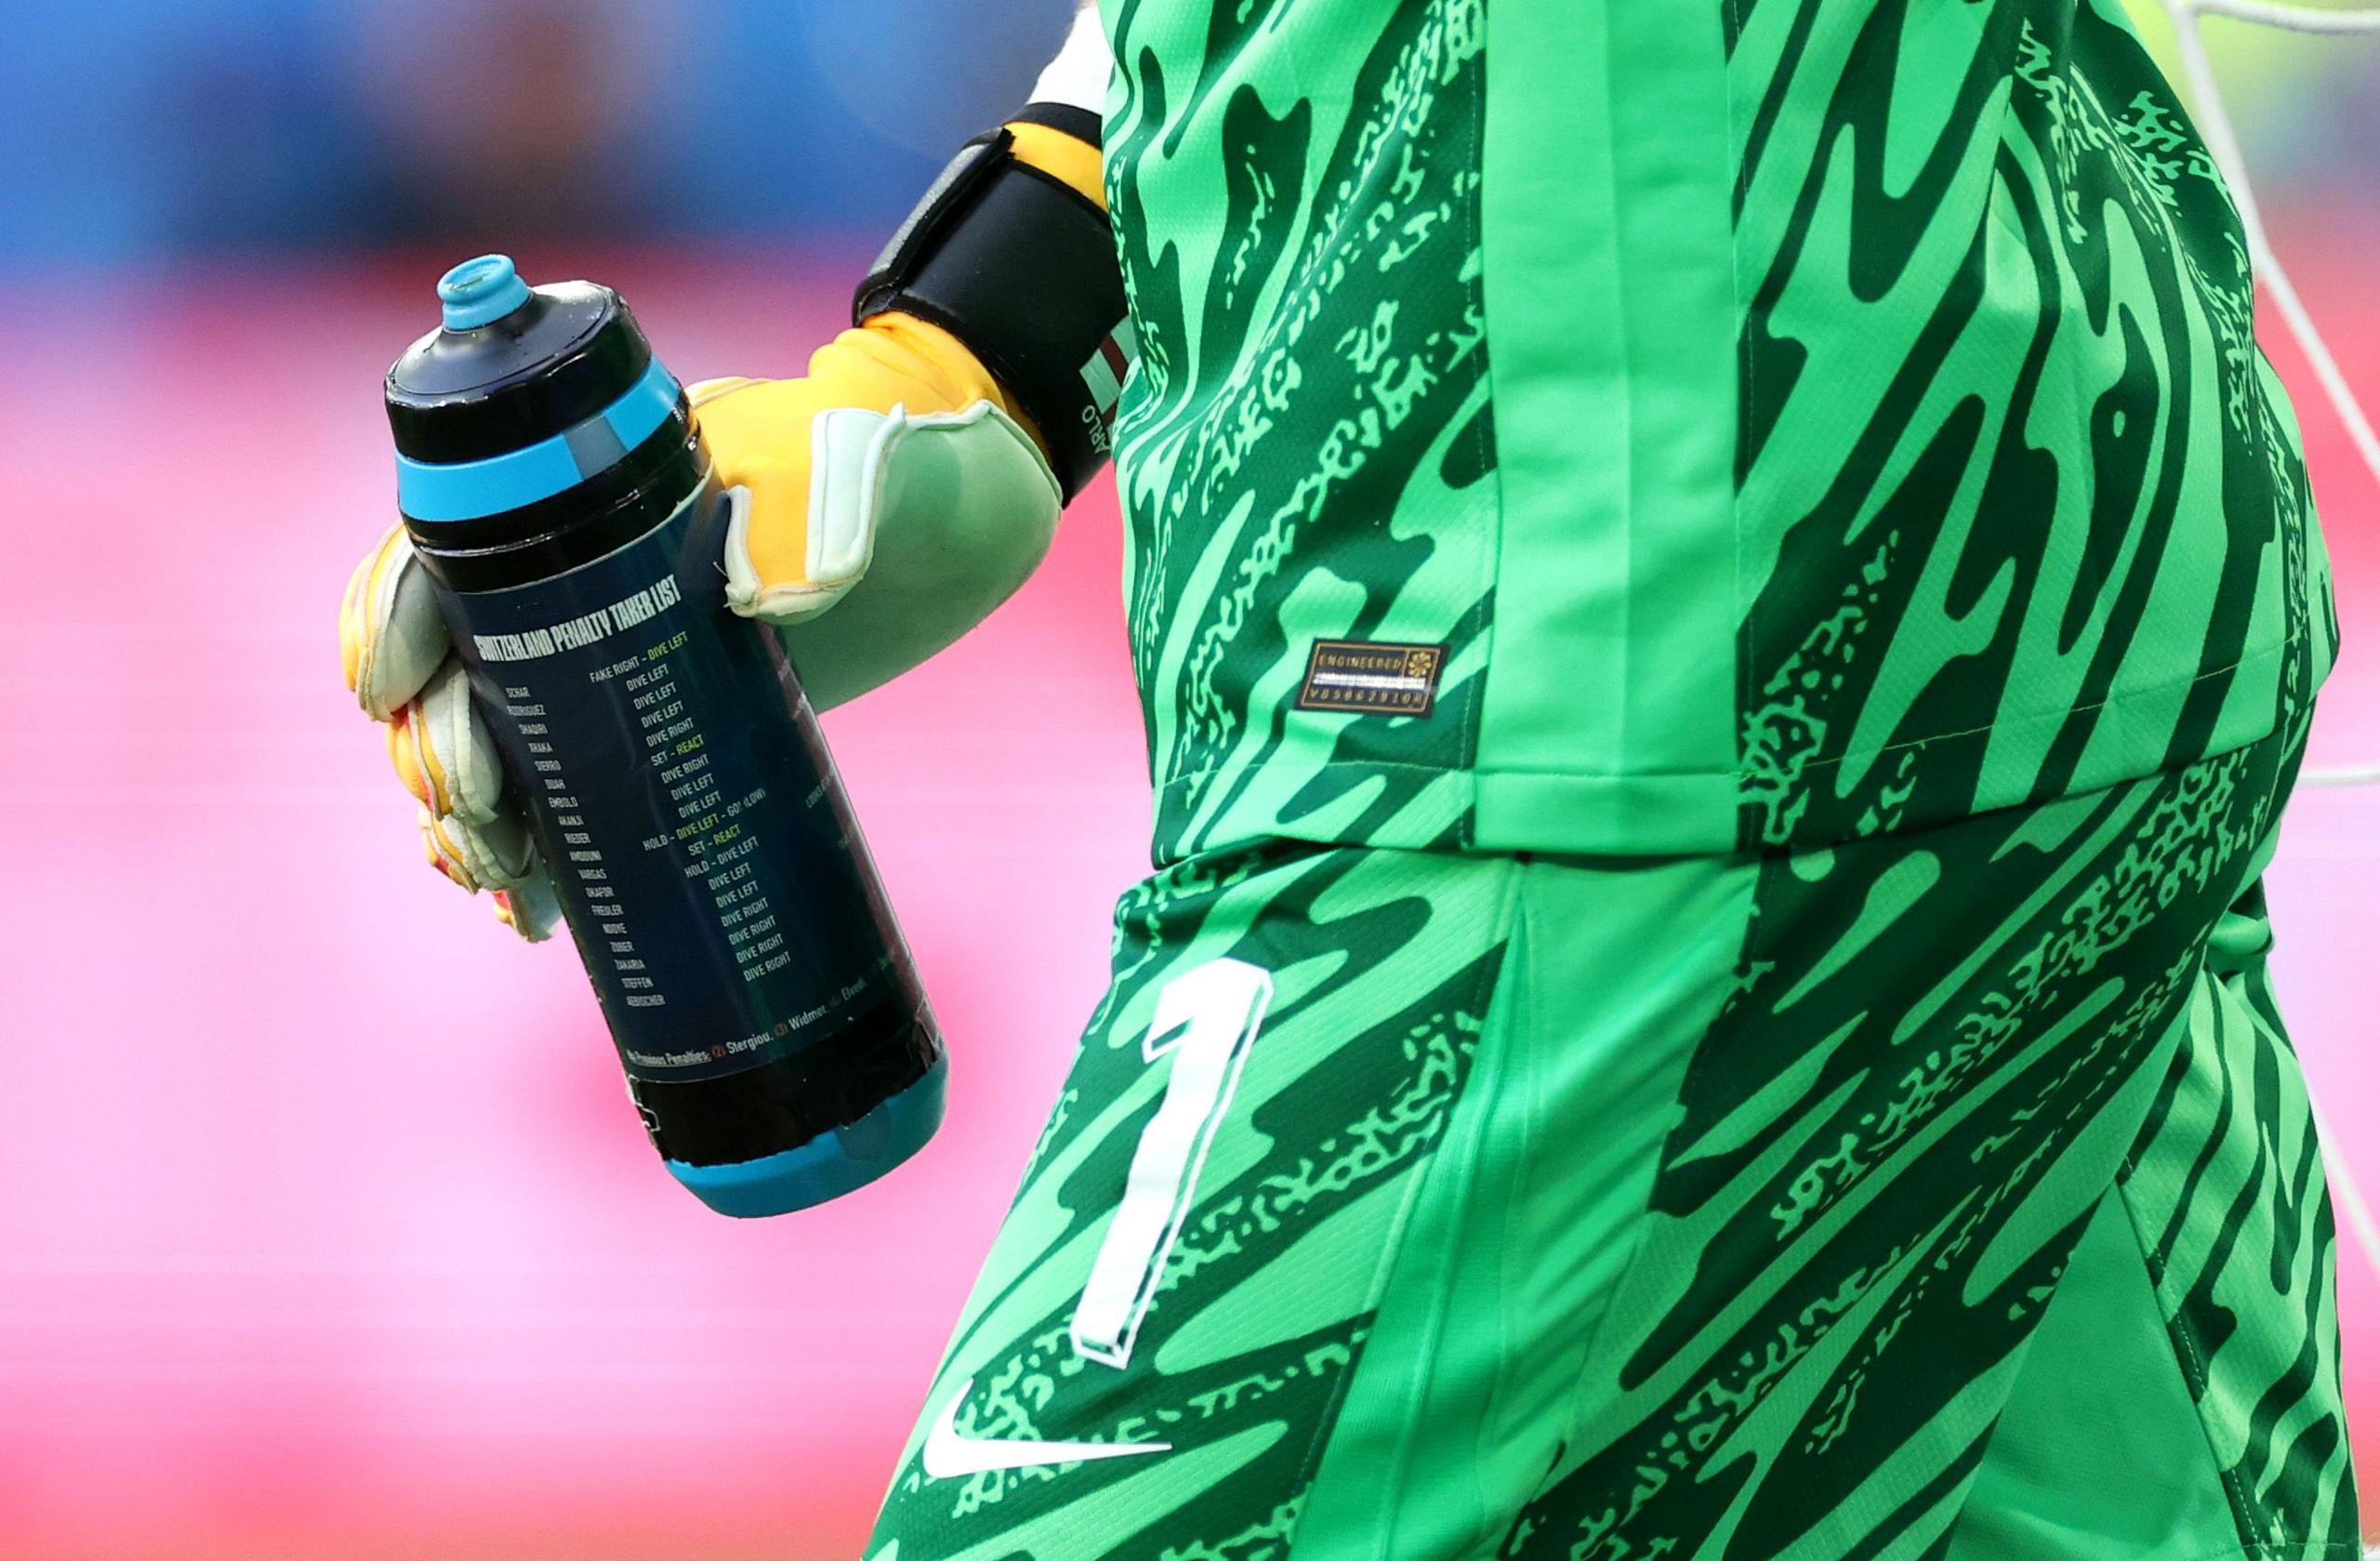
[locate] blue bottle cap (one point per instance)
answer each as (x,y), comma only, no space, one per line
(512,366)
(481,292)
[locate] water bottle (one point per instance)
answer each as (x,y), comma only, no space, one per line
(776,1039)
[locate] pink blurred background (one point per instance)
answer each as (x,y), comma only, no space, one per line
(325,1226)
(326,1230)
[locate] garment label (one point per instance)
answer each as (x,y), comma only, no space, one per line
(1371,679)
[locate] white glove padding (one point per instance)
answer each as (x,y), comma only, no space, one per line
(920,527)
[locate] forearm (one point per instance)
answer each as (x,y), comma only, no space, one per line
(1011,255)
(1078,74)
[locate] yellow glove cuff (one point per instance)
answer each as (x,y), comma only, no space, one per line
(759,429)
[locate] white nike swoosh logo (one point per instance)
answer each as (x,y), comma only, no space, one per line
(950,1456)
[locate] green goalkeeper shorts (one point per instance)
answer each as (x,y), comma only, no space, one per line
(1950,1195)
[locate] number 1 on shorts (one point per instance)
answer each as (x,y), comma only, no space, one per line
(1206,1020)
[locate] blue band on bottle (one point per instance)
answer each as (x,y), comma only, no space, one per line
(466,490)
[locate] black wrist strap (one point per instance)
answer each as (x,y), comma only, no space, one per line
(1021,268)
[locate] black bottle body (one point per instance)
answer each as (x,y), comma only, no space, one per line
(771,1022)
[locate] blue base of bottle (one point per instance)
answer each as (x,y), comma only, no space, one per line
(837,1161)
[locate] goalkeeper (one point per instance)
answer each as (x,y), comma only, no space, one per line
(1725,608)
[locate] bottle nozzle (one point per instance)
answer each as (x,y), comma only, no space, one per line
(480,292)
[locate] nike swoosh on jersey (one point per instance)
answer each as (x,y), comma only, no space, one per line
(949,1455)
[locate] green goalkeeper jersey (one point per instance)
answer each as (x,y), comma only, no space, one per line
(1653,426)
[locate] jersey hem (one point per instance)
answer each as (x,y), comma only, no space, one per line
(1699,813)
(1606,815)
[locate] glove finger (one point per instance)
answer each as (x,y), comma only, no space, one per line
(495,855)
(531,908)
(444,752)
(472,775)
(447,759)
(391,639)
